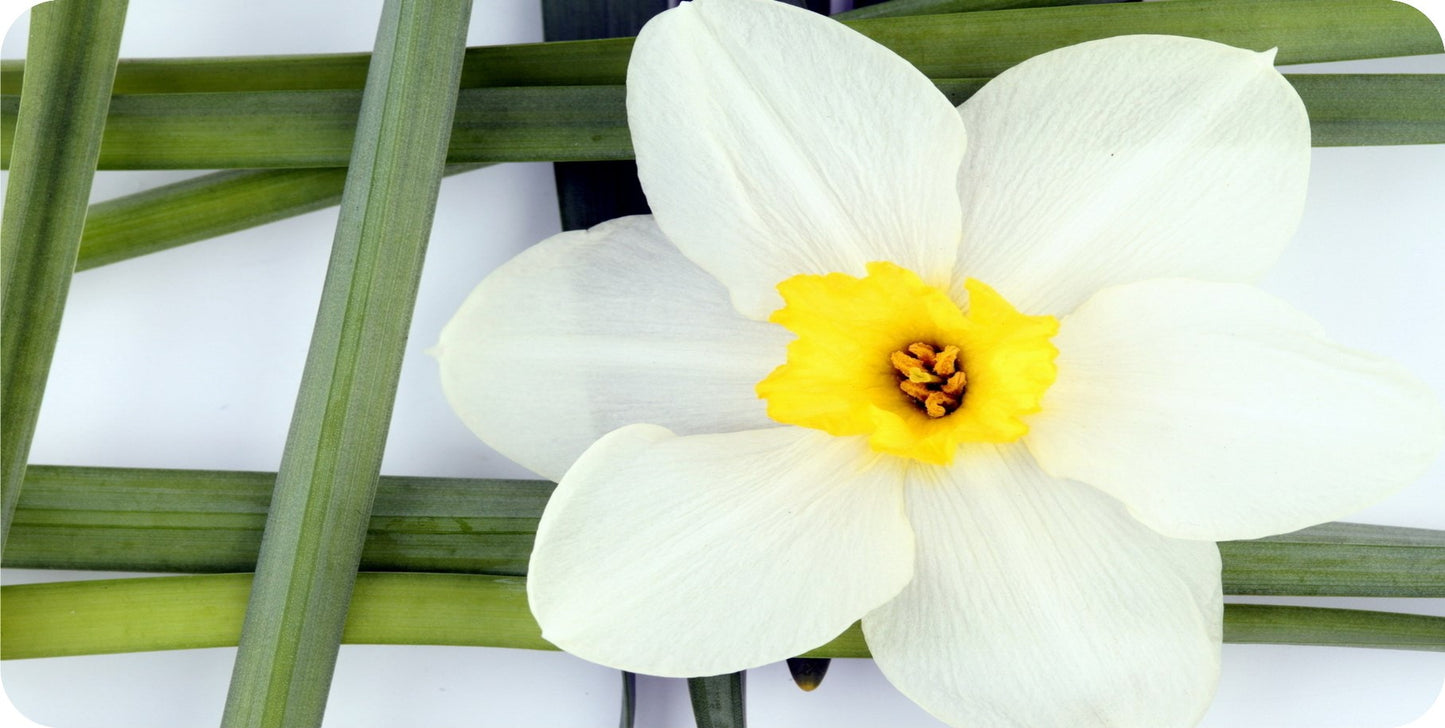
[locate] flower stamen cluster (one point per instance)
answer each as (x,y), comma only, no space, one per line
(931,377)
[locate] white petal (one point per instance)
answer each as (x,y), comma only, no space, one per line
(588,331)
(1125,159)
(715,553)
(1039,603)
(1216,411)
(772,141)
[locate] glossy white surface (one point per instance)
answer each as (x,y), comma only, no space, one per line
(191,358)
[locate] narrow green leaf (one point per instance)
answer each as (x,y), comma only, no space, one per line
(1359,109)
(1271,624)
(123,519)
(719,701)
(1338,559)
(229,73)
(206,207)
(1350,110)
(184,612)
(207,521)
(56,140)
(327,482)
(984,44)
(571,123)
(169,613)
(961,45)
(317,128)
(956,45)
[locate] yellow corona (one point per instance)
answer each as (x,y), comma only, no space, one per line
(895,359)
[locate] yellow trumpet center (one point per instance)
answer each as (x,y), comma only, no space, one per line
(892,358)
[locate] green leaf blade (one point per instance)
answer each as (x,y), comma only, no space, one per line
(719,701)
(302,72)
(201,208)
(210,521)
(187,612)
(206,207)
(582,123)
(1338,559)
(1374,109)
(954,45)
(324,491)
(1305,31)
(1291,625)
(56,139)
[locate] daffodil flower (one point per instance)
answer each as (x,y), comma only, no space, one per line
(996,399)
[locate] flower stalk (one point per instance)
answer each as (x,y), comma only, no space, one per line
(186,612)
(719,701)
(324,490)
(206,207)
(121,519)
(589,123)
(953,45)
(55,135)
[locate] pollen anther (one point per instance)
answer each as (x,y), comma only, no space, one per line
(930,377)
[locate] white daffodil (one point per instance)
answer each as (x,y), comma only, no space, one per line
(998,404)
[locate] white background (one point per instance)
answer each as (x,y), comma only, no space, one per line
(191,358)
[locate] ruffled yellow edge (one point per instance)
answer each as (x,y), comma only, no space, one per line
(838,377)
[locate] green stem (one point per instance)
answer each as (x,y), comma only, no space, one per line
(719,701)
(1366,109)
(183,612)
(1276,625)
(205,521)
(324,491)
(317,128)
(210,521)
(206,207)
(572,123)
(956,45)
(201,208)
(1338,559)
(1346,109)
(56,139)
